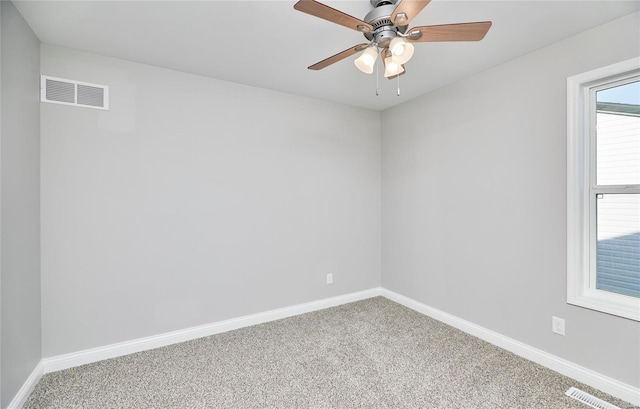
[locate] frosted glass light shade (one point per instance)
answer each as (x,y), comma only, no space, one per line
(367,60)
(392,67)
(401,49)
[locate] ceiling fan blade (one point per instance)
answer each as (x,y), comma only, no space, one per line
(449,32)
(338,57)
(406,11)
(323,11)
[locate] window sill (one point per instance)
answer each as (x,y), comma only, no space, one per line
(610,303)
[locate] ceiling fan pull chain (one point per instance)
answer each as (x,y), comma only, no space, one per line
(398,85)
(377,79)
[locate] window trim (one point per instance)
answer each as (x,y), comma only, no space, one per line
(580,178)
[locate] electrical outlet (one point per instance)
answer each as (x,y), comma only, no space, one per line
(330,278)
(557,325)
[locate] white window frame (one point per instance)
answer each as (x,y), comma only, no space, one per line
(581,249)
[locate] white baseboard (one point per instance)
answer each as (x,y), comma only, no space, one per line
(604,383)
(88,356)
(23,394)
(611,386)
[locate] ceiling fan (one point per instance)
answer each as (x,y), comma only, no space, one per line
(386,29)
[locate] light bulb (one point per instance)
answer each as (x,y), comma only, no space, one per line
(392,67)
(401,49)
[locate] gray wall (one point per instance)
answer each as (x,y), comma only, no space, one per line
(20,202)
(195,200)
(474,202)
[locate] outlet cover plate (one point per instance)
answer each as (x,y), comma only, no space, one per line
(557,325)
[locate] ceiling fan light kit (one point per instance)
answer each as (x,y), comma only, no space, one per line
(386,29)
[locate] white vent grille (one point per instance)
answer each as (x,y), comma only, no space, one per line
(589,399)
(70,92)
(60,91)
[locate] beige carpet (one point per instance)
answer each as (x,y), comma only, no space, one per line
(369,354)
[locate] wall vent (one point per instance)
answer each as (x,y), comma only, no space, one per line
(70,92)
(589,399)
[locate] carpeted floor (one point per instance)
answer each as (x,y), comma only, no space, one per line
(369,354)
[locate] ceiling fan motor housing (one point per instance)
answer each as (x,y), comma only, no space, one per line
(380,18)
(378,3)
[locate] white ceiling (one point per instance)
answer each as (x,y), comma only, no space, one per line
(268,44)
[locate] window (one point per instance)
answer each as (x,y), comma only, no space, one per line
(603,189)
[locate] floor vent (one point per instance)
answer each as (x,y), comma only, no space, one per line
(76,93)
(588,399)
